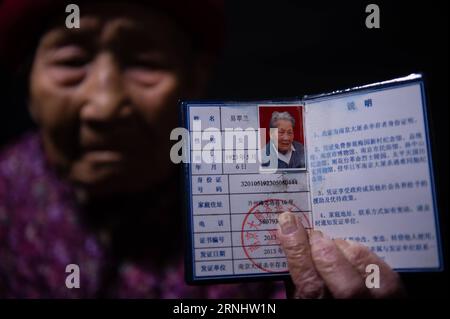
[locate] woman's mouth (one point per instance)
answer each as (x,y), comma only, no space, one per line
(102,156)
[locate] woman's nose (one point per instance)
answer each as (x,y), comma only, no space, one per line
(104,92)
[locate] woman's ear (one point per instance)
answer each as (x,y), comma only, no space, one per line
(21,86)
(24,82)
(32,109)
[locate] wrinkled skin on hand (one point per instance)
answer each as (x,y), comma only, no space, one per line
(321,267)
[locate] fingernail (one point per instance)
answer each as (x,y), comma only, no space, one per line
(287,223)
(316,236)
(352,243)
(341,243)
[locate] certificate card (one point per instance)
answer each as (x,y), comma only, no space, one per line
(355,164)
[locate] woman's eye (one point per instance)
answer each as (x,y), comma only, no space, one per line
(146,64)
(68,64)
(146,61)
(75,62)
(71,56)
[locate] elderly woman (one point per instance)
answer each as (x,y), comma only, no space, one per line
(284,151)
(94,186)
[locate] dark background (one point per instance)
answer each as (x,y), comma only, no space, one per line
(281,49)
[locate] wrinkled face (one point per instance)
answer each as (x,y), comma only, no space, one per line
(284,135)
(105,96)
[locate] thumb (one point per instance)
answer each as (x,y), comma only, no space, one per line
(294,241)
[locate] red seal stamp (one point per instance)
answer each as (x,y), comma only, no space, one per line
(259,232)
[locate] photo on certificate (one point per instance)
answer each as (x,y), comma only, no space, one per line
(282,142)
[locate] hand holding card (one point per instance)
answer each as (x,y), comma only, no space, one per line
(321,267)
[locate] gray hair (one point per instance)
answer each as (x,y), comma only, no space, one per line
(281,116)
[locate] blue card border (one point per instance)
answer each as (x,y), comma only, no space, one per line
(187,177)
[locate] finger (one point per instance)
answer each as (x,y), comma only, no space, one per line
(361,257)
(341,278)
(294,240)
